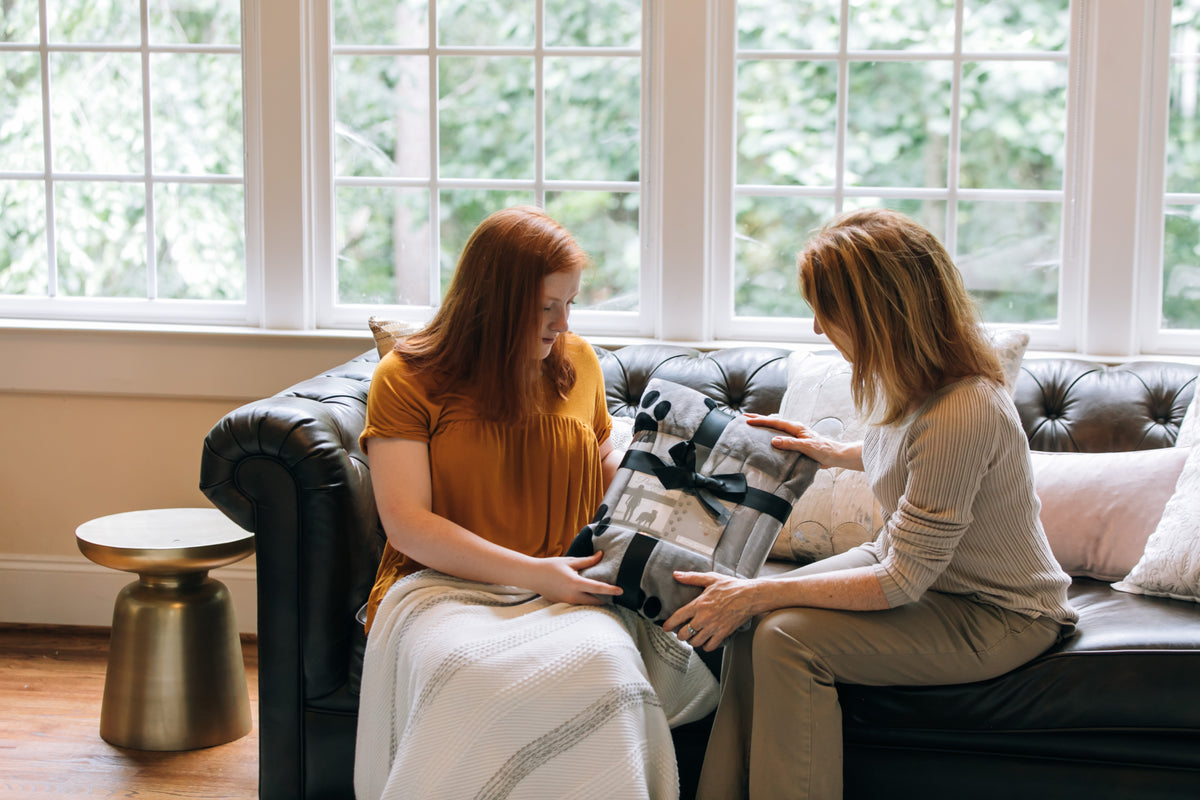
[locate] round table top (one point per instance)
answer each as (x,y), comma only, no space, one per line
(164,540)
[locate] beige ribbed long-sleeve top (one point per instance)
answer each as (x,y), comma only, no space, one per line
(956,486)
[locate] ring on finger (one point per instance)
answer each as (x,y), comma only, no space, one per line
(691,631)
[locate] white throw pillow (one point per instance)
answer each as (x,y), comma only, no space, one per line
(1170,564)
(1099,509)
(839,511)
(388,332)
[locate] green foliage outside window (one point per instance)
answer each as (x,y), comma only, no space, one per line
(898,134)
(101,201)
(488,143)
(489,136)
(1181,230)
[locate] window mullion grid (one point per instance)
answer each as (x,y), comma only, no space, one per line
(148,153)
(252,173)
(650,218)
(47,152)
(1077,178)
(539,104)
(952,146)
(435,228)
(726,55)
(843,107)
(1151,255)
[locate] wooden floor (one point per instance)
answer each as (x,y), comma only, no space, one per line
(51,685)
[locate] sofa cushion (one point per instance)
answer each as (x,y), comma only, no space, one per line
(1098,509)
(1130,663)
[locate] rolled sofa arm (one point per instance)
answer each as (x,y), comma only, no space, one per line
(289,469)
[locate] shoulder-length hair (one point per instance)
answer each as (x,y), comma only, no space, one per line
(483,341)
(890,286)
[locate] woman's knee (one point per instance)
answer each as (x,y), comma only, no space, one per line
(795,637)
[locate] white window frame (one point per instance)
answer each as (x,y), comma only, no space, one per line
(1153,338)
(726,324)
(151,308)
(330,313)
(1111,275)
(1115,189)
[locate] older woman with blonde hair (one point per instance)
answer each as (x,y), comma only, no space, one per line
(960,584)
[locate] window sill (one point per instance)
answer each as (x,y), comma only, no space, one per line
(157,360)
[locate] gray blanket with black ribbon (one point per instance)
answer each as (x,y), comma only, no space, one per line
(699,490)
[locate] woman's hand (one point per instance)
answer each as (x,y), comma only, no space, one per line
(826,452)
(720,610)
(558,580)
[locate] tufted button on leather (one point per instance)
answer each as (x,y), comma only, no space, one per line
(1090,407)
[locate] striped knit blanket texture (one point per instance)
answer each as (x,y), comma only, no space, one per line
(481,691)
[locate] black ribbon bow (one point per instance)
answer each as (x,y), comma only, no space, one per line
(705,488)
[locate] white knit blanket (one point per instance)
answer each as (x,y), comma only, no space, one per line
(479,691)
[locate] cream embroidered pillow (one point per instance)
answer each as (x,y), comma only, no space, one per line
(1189,427)
(839,511)
(1170,564)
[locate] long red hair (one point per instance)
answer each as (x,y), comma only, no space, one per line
(483,340)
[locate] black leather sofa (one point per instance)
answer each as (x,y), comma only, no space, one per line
(1113,712)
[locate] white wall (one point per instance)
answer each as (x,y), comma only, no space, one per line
(96,422)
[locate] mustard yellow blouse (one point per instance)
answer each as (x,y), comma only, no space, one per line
(529,486)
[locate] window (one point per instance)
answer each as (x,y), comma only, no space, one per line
(438,122)
(1180,290)
(121,159)
(953,113)
(299,165)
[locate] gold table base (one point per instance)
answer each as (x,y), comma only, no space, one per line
(175,679)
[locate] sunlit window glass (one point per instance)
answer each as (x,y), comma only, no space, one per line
(954,113)
(121,167)
(439,124)
(1181,240)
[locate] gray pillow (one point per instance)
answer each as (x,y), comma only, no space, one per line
(699,490)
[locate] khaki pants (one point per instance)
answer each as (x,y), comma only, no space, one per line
(778,729)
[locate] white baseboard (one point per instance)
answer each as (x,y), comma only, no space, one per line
(63,590)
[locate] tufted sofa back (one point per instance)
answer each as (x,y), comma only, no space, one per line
(740,379)
(1065,404)
(1072,405)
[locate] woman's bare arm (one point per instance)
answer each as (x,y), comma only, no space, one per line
(610,461)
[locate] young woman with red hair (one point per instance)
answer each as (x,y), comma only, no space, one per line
(488,437)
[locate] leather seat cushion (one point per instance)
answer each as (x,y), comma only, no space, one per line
(1131,663)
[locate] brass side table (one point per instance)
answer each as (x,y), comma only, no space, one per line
(175,678)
